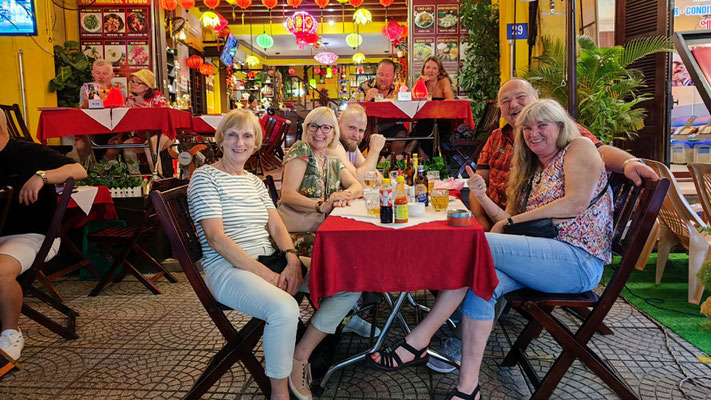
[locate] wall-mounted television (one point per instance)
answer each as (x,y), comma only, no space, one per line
(17,17)
(229,51)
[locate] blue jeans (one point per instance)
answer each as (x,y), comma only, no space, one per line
(546,265)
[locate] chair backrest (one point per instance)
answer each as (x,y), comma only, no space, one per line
(174,215)
(52,233)
(279,135)
(15,123)
(271,188)
(676,211)
(268,123)
(5,199)
(636,208)
(701,175)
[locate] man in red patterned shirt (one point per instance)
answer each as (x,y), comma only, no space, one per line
(494,161)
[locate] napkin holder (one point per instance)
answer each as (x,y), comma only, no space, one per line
(404,96)
(96,104)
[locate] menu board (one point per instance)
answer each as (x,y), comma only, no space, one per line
(117,31)
(437,32)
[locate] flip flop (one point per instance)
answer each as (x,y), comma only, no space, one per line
(464,396)
(389,357)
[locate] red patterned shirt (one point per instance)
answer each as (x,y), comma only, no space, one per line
(496,158)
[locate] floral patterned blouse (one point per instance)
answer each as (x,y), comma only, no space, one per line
(591,230)
(312,185)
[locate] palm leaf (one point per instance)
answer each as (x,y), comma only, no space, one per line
(641,47)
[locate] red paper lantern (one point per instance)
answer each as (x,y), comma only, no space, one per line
(187,4)
(420,89)
(317,70)
(386,3)
(392,30)
(294,3)
(269,3)
(212,3)
(356,3)
(243,3)
(222,25)
(270,72)
(292,71)
(321,3)
(208,69)
(303,26)
(224,32)
(194,62)
(168,5)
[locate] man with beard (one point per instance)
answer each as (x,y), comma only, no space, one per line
(352,124)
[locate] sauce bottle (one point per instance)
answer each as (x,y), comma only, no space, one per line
(386,202)
(400,201)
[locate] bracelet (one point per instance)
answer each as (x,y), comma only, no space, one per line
(318,207)
(629,160)
(292,251)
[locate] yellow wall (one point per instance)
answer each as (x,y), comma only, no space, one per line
(506,16)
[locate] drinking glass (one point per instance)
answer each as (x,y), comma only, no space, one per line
(372,202)
(371,179)
(440,199)
(432,176)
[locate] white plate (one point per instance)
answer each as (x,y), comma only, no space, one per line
(98,23)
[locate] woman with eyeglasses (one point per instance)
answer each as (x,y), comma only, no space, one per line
(314,184)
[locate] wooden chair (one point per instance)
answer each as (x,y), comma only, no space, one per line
(635,211)
(271,188)
(271,153)
(126,239)
(67,330)
(701,175)
(172,208)
(17,128)
(679,225)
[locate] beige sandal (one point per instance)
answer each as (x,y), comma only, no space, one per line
(300,380)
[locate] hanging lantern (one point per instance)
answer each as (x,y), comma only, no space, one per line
(317,70)
(358,58)
(329,71)
(321,3)
(194,62)
(265,41)
(224,32)
(356,3)
(303,26)
(386,3)
(187,4)
(294,3)
(326,57)
(360,70)
(212,3)
(292,71)
(252,61)
(269,3)
(270,72)
(312,82)
(354,40)
(208,69)
(420,89)
(342,1)
(404,31)
(362,16)
(168,5)
(392,31)
(222,24)
(210,19)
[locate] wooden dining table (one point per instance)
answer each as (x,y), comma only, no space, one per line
(350,255)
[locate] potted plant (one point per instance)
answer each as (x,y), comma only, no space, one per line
(72,69)
(116,176)
(608,89)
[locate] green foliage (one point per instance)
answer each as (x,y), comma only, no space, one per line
(72,69)
(113,173)
(608,90)
(479,75)
(437,164)
(704,275)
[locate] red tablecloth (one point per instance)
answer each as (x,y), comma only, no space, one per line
(72,121)
(460,111)
(202,127)
(354,256)
(102,209)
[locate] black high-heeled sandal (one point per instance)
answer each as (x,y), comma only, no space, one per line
(388,357)
(464,396)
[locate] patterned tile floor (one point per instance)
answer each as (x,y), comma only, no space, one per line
(134,345)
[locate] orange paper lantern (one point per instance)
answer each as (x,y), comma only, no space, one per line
(386,3)
(321,3)
(269,3)
(404,31)
(356,3)
(207,69)
(187,4)
(243,3)
(212,3)
(294,3)
(194,62)
(169,5)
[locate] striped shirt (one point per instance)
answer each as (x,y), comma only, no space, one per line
(240,201)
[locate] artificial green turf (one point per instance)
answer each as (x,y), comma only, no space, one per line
(673,295)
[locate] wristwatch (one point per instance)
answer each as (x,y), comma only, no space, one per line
(42,175)
(318,206)
(511,221)
(292,250)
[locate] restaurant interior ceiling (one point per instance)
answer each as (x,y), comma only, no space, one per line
(258,14)
(374,44)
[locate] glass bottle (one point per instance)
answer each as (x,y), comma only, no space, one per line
(386,202)
(421,186)
(400,201)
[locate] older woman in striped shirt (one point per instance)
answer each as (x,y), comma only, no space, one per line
(235,219)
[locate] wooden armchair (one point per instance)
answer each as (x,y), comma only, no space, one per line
(679,225)
(635,211)
(17,128)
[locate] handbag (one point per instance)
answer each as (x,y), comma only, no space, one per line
(543,227)
(277,262)
(300,221)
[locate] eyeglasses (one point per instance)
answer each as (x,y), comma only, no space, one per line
(315,127)
(136,82)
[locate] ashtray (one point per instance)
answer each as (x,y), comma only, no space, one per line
(459,218)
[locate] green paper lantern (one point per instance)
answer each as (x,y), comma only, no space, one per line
(312,82)
(265,41)
(354,40)
(329,72)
